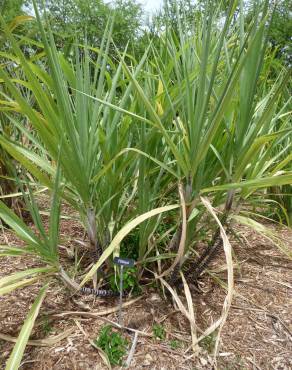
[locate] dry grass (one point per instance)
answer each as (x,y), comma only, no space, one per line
(256,335)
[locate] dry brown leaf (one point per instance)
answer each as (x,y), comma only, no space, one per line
(188,295)
(230,288)
(181,248)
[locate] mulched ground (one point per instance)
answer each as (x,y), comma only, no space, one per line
(257,334)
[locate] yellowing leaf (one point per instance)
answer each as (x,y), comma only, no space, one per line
(121,234)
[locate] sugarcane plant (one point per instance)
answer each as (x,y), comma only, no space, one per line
(214,119)
(67,113)
(196,124)
(190,109)
(43,244)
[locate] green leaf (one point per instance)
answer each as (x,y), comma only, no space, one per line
(20,284)
(7,280)
(263,182)
(18,350)
(17,225)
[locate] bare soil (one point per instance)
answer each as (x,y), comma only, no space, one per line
(257,334)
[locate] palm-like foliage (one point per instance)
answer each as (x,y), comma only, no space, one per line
(194,105)
(219,126)
(67,113)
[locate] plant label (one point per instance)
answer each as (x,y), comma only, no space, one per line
(126,262)
(122,262)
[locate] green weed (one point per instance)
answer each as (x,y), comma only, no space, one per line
(113,344)
(208,343)
(130,280)
(174,344)
(158,331)
(46,325)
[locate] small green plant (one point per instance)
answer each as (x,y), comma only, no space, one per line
(158,331)
(174,344)
(129,280)
(208,343)
(46,325)
(113,344)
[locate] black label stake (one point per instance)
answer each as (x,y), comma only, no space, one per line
(121,294)
(122,262)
